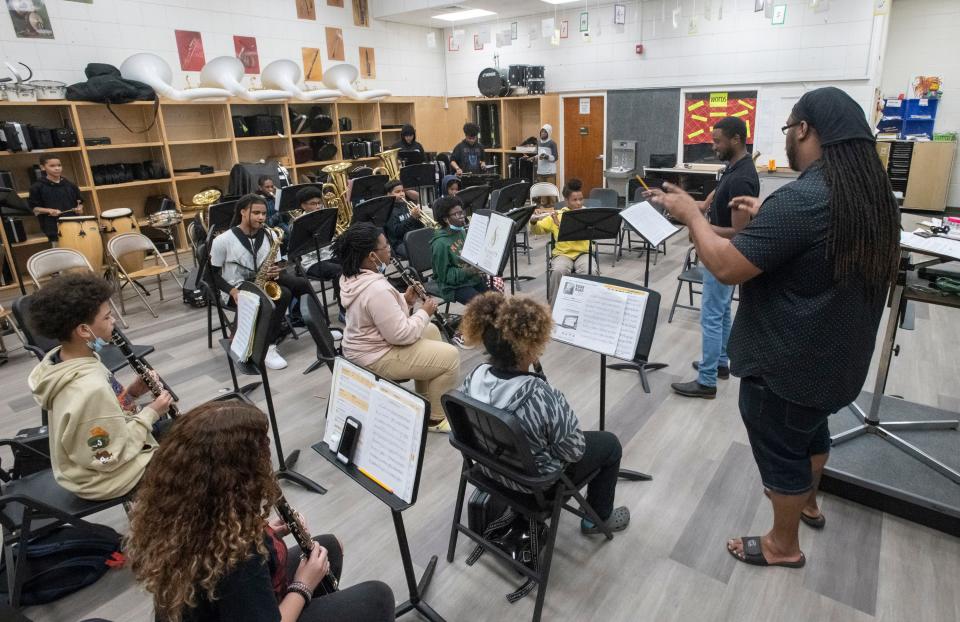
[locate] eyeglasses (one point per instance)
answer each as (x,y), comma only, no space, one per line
(315,203)
(788,126)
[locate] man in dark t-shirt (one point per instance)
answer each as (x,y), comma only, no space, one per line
(739,178)
(816,264)
(467,156)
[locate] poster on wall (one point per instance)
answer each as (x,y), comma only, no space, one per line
(368,63)
(701,110)
(361,13)
(30,19)
(190,50)
(245,49)
(334,44)
(564,29)
(306,9)
(312,65)
(453,44)
(477,43)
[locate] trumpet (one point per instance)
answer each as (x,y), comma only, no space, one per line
(426,218)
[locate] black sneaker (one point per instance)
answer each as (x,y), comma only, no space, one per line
(694,389)
(722,372)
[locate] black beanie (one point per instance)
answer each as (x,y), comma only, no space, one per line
(834,114)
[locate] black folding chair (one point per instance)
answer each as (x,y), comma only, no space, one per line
(494,449)
(691,274)
(420,264)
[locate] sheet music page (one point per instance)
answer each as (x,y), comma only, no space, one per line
(648,222)
(495,243)
(939,246)
(473,245)
(351,391)
(248,304)
(392,438)
(588,315)
(636,304)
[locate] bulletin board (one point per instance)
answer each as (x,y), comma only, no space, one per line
(702,109)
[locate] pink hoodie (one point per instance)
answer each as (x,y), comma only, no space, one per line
(377,318)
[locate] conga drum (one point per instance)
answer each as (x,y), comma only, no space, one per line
(82,234)
(115,222)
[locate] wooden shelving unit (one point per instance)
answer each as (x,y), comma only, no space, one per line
(517,118)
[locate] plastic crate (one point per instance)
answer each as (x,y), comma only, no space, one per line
(920,108)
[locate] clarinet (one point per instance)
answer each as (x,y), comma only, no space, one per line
(421,294)
(142,368)
(329,584)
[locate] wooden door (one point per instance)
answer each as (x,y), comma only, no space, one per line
(583,141)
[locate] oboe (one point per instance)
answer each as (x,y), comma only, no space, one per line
(421,294)
(329,584)
(142,368)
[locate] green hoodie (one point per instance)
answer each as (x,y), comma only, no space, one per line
(97,449)
(446,247)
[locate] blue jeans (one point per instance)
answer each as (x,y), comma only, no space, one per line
(715,320)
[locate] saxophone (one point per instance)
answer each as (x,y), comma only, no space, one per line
(270,288)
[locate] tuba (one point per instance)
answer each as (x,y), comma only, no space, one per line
(335,193)
(391,164)
(270,288)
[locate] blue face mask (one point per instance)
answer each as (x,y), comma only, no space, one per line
(97,344)
(457,227)
(382,268)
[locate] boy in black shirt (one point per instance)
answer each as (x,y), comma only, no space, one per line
(467,156)
(53,196)
(402,219)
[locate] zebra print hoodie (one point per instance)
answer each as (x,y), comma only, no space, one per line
(547,421)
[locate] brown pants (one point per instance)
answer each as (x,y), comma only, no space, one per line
(431,363)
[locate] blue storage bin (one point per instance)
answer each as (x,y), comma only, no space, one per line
(921,107)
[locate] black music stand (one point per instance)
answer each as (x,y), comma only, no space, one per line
(474,198)
(644,342)
(12,206)
(255,366)
(596,223)
(368,187)
(409,157)
(397,507)
(220,215)
(422,178)
(650,246)
(286,200)
(520,216)
(375,211)
(512,196)
(310,233)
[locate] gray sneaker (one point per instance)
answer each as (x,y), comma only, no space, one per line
(618,521)
(694,389)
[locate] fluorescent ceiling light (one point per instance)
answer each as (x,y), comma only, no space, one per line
(559,1)
(454,16)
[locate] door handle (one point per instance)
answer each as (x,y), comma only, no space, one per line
(600,157)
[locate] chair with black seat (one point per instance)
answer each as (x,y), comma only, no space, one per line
(34,505)
(606,197)
(491,441)
(360,171)
(691,274)
(420,263)
(197,234)
(316,322)
(254,366)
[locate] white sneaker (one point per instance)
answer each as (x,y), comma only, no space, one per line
(273,359)
(460,343)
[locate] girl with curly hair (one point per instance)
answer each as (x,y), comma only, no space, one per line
(202,545)
(515,332)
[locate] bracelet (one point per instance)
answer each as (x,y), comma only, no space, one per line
(300,588)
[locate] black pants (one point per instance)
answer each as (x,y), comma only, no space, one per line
(369,601)
(602,452)
(328,271)
(290,287)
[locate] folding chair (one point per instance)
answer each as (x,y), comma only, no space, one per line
(691,274)
(127,243)
(7,315)
(494,449)
(57,260)
(420,263)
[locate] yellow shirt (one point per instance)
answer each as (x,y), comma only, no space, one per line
(571,249)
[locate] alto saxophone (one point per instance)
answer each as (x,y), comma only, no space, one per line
(270,288)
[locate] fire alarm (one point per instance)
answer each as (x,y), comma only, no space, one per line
(639,48)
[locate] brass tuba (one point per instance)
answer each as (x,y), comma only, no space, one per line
(391,164)
(270,288)
(335,193)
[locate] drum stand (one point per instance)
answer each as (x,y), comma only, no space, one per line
(168,230)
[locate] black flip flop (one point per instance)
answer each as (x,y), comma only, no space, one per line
(817,523)
(753,554)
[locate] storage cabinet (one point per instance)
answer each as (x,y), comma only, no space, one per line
(920,170)
(505,122)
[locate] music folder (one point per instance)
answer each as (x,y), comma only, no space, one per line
(597,316)
(488,242)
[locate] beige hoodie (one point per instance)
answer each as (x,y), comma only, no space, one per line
(98,450)
(377,318)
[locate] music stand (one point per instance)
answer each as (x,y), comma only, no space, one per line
(255,366)
(12,206)
(512,196)
(474,198)
(520,216)
(409,157)
(397,507)
(644,342)
(220,215)
(311,232)
(423,179)
(286,199)
(596,223)
(375,211)
(367,187)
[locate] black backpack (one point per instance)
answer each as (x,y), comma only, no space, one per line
(64,561)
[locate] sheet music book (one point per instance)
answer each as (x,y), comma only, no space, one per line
(939,246)
(648,222)
(391,421)
(599,317)
(487,243)
(248,304)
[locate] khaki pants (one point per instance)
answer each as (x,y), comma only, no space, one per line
(562,265)
(431,363)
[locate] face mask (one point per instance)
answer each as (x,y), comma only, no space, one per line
(457,227)
(97,344)
(381,267)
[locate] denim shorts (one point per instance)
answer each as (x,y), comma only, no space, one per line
(783,436)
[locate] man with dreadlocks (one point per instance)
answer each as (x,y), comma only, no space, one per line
(816,264)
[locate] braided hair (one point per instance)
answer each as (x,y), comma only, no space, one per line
(355,244)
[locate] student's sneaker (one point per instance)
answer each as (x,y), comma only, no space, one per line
(273,359)
(443,427)
(342,317)
(460,343)
(337,335)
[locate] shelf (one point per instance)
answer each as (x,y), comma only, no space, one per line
(39,102)
(204,141)
(88,104)
(126,146)
(31,240)
(249,138)
(390,129)
(131,184)
(372,131)
(192,176)
(25,195)
(36,151)
(315,164)
(314,134)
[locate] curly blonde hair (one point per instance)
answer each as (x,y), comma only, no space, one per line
(511,329)
(202,505)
